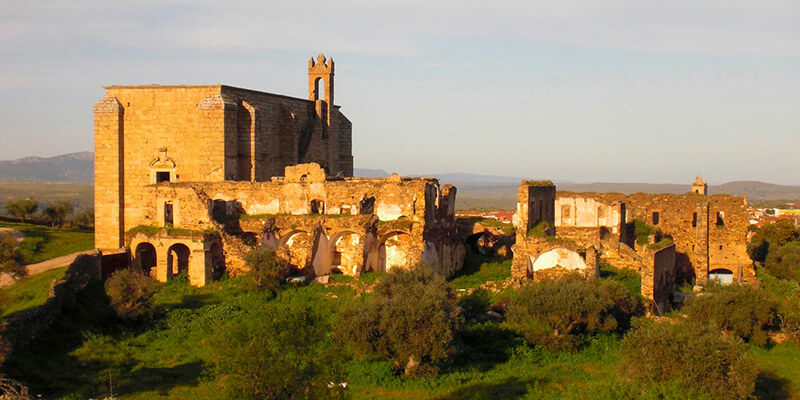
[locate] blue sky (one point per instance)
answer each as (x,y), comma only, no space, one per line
(619,90)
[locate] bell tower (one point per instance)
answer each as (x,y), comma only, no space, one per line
(699,186)
(320,85)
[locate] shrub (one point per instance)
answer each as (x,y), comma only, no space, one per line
(410,320)
(784,261)
(275,353)
(695,355)
(131,292)
(266,270)
(558,313)
(744,310)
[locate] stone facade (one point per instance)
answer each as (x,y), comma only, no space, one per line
(214,133)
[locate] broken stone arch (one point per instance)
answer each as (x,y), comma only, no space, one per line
(557,256)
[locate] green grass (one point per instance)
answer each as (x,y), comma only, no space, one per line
(480,269)
(164,358)
(43,242)
(30,291)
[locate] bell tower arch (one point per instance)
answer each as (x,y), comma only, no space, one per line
(320,85)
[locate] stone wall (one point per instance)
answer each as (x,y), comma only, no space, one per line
(658,277)
(25,326)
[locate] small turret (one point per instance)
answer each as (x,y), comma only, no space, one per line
(320,85)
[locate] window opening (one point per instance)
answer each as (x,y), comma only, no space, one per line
(162,176)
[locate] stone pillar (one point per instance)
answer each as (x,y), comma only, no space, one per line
(199,271)
(109,174)
(162,266)
(701,267)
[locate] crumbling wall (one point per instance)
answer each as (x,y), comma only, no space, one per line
(658,277)
(691,220)
(25,326)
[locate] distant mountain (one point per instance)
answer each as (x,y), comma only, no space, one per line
(73,167)
(370,173)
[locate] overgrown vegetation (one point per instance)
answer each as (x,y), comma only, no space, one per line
(562,314)
(695,355)
(411,319)
(130,292)
(266,270)
(226,340)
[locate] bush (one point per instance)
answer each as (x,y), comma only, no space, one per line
(559,313)
(131,292)
(743,310)
(784,261)
(266,270)
(695,355)
(410,320)
(275,353)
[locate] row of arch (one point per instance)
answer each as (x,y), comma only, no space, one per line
(178,259)
(348,252)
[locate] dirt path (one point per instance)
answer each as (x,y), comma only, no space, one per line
(38,268)
(15,233)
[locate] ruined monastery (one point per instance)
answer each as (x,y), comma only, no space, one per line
(190,178)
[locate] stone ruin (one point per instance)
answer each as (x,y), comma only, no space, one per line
(560,232)
(191,178)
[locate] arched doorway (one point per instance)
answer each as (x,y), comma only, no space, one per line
(393,251)
(721,275)
(216,261)
(295,247)
(178,259)
(347,252)
(145,258)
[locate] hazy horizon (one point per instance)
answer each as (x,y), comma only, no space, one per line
(621,91)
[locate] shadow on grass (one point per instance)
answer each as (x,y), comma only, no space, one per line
(484,345)
(772,387)
(160,380)
(511,388)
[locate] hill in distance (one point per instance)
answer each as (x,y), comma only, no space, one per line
(499,191)
(73,167)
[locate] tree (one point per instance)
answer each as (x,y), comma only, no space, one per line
(131,293)
(22,208)
(771,236)
(744,310)
(784,261)
(58,212)
(695,355)
(84,218)
(9,256)
(411,320)
(267,271)
(277,352)
(559,313)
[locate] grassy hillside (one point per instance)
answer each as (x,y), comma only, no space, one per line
(43,242)
(164,358)
(29,292)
